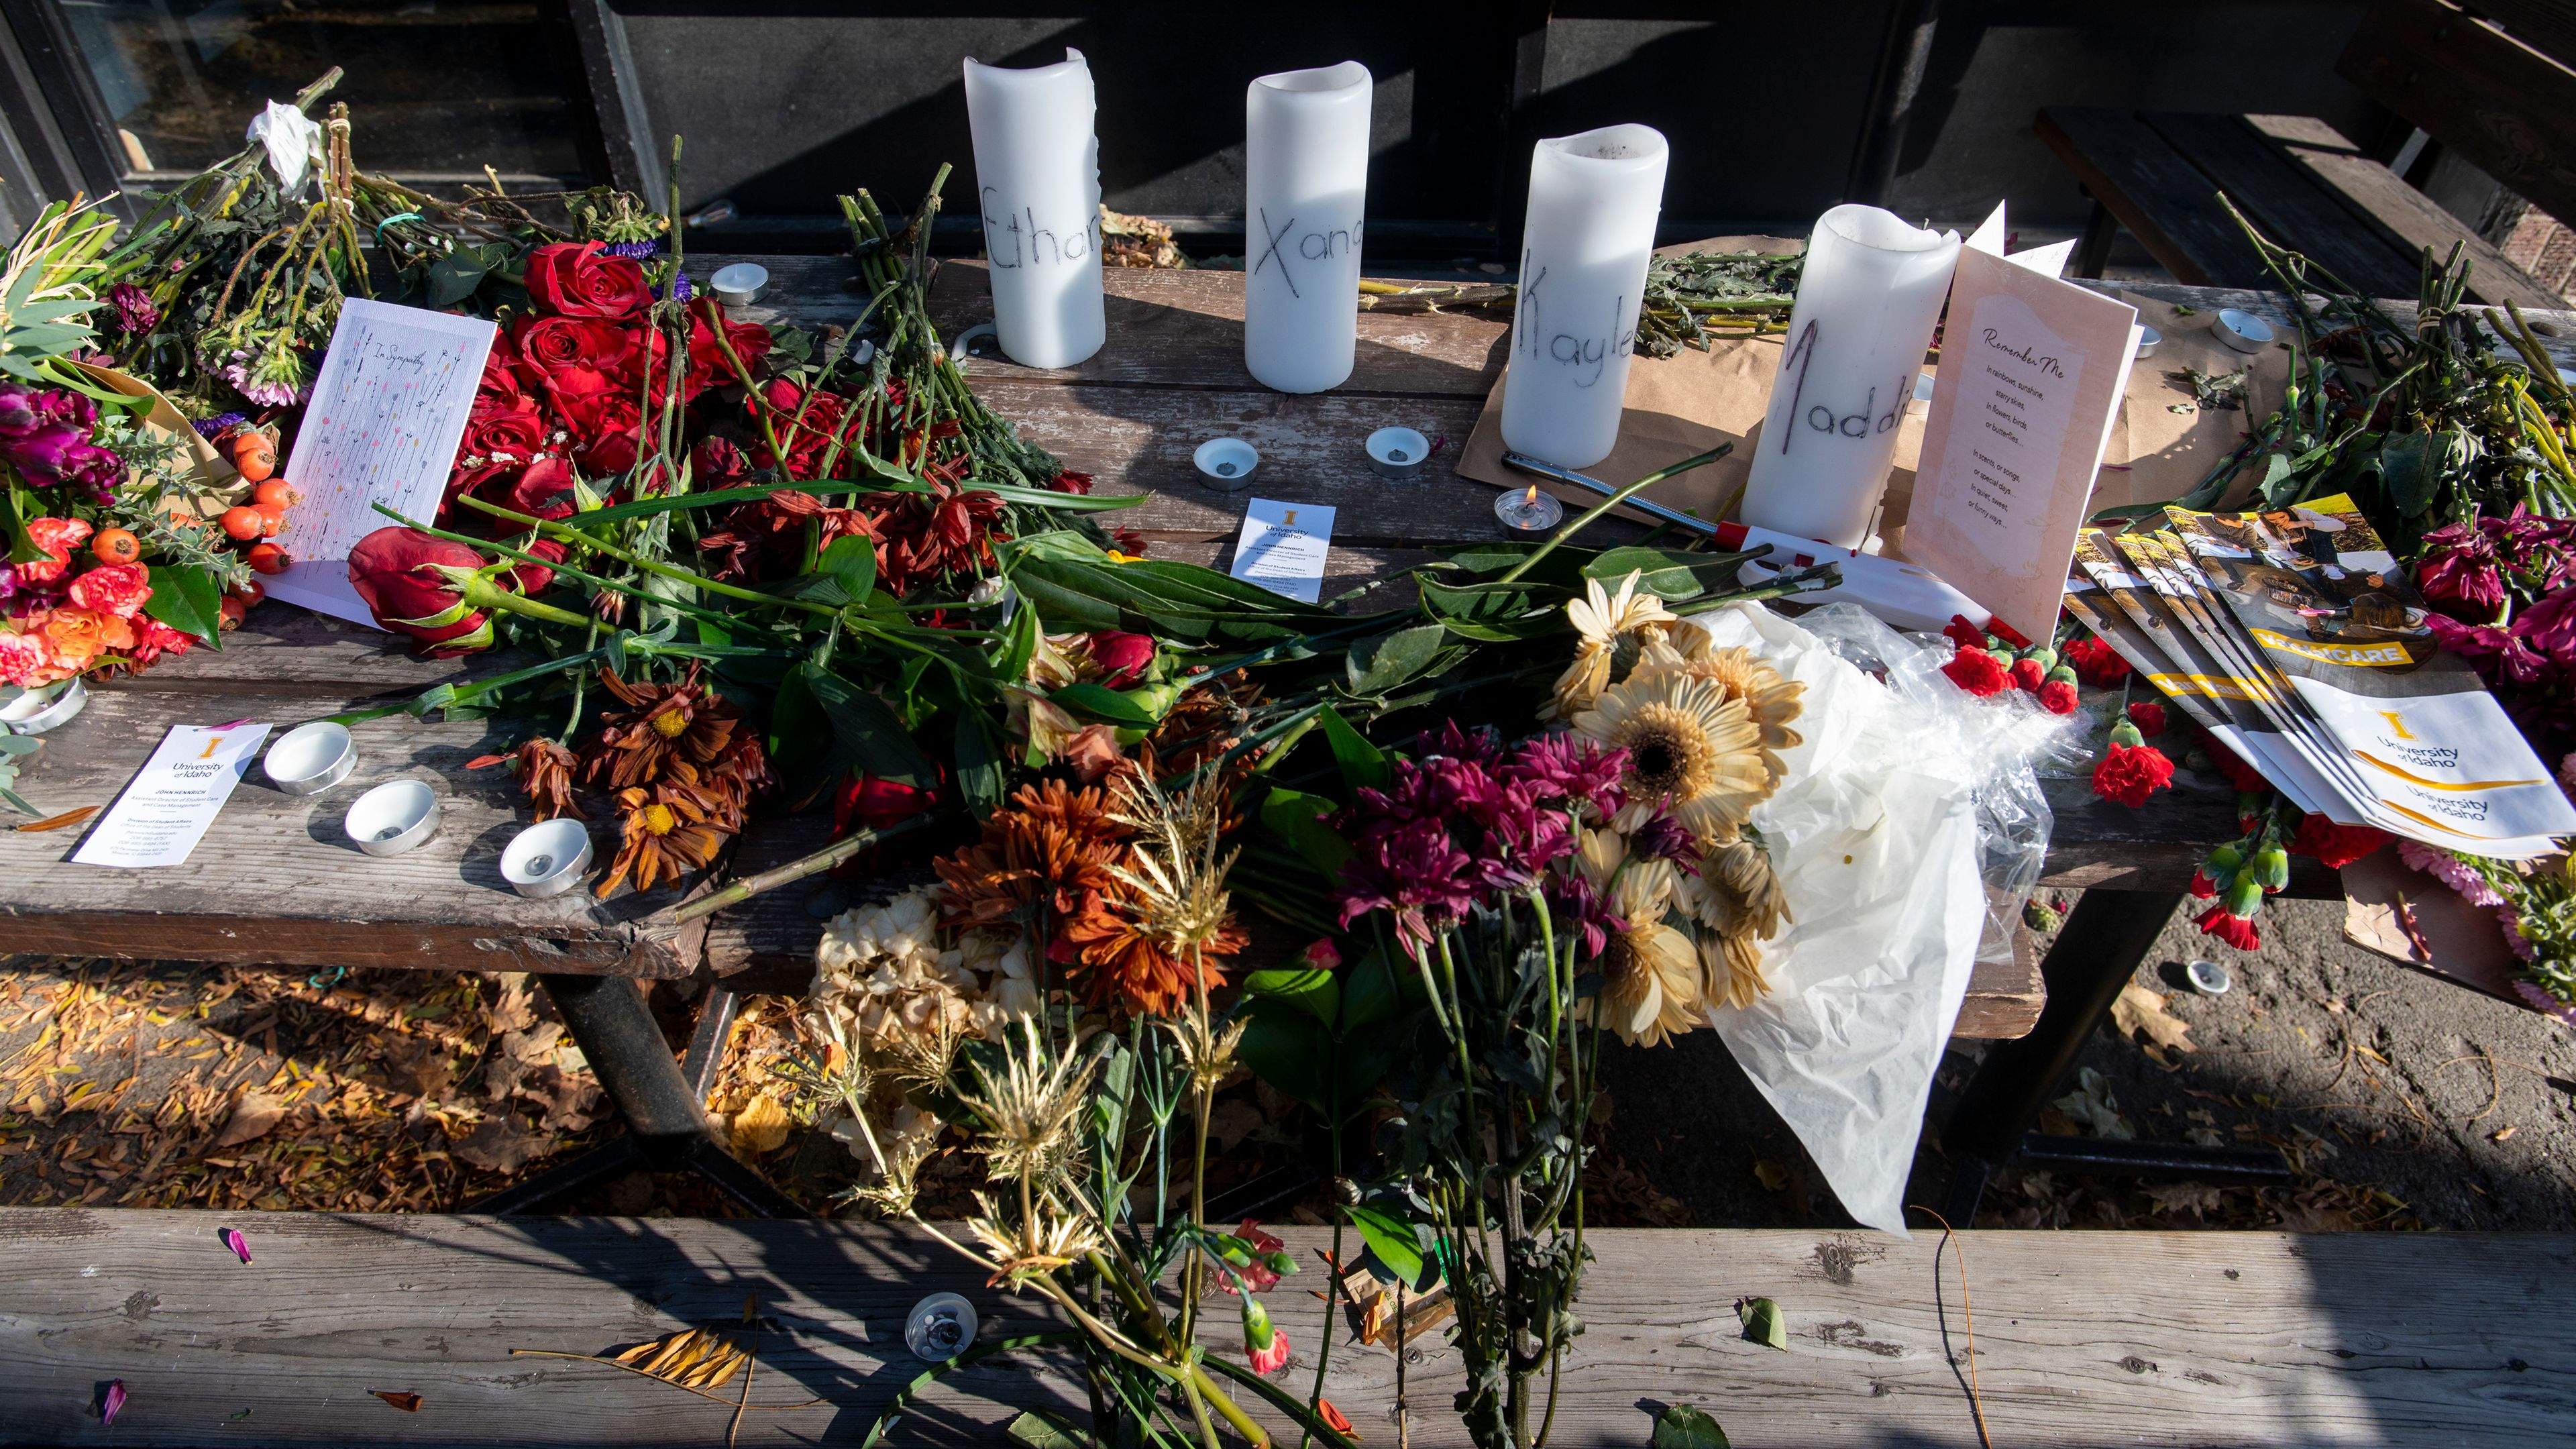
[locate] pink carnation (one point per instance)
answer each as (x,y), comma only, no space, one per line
(2451,871)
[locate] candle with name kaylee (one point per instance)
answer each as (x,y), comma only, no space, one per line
(1593,200)
(1037,179)
(1305,182)
(1867,301)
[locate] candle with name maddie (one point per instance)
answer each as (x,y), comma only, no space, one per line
(1867,302)
(1305,182)
(1037,181)
(1593,200)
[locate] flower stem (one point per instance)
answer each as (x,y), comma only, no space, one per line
(1613,501)
(668,571)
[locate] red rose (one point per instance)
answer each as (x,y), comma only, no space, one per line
(1977,672)
(548,345)
(393,569)
(2096,663)
(2028,675)
(2057,697)
(2236,931)
(806,426)
(498,390)
(57,537)
(868,803)
(536,578)
(602,415)
(545,490)
(118,589)
(1123,658)
(152,639)
(2148,716)
(582,280)
(719,464)
(707,361)
(2131,773)
(2335,846)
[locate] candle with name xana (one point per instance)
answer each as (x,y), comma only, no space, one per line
(1593,200)
(1867,301)
(1037,179)
(1305,182)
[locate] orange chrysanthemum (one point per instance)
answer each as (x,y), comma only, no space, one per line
(666,830)
(682,721)
(1050,848)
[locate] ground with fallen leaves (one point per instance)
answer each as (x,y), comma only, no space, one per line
(2401,1101)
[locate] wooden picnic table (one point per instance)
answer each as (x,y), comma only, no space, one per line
(274,881)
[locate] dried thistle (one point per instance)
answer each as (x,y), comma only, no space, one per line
(1206,1050)
(1029,1109)
(1047,1239)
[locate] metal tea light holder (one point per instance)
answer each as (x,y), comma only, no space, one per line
(1398,454)
(547,859)
(394,817)
(1226,464)
(311,758)
(43,708)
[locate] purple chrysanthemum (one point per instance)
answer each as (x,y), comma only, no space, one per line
(2451,871)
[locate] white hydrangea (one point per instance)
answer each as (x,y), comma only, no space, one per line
(893,973)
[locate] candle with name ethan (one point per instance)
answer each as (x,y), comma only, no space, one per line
(1593,201)
(1305,184)
(1867,300)
(1037,181)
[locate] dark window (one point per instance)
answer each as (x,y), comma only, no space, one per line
(435,88)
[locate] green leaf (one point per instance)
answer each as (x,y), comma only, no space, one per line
(866,731)
(1091,701)
(1393,1241)
(1287,1047)
(453,278)
(1044,1429)
(1361,763)
(1493,613)
(1562,567)
(1383,661)
(2413,467)
(1680,1426)
(851,564)
(1313,992)
(186,598)
(1667,574)
(1298,818)
(1373,991)
(980,776)
(1762,1322)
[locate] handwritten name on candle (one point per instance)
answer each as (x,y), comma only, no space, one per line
(1860,422)
(1011,246)
(1318,244)
(1584,354)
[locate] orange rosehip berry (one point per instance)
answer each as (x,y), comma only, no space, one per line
(268,558)
(116,546)
(276,492)
(242,522)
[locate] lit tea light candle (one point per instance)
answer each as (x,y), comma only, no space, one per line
(1529,513)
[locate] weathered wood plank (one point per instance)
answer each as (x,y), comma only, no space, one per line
(276,878)
(2410,219)
(2504,107)
(2283,202)
(284,650)
(2179,1338)
(2160,197)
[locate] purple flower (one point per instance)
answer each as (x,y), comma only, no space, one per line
(135,314)
(1664,838)
(2544,1003)
(45,435)
(635,251)
(2451,871)
(1574,770)
(2514,940)
(1482,745)
(1571,897)
(1415,873)
(111,1402)
(208,427)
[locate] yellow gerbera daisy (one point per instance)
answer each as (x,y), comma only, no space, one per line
(1602,620)
(1691,750)
(1649,975)
(1745,675)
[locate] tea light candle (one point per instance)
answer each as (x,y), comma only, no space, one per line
(43,708)
(1305,182)
(311,758)
(547,858)
(2241,330)
(1528,514)
(740,284)
(1593,200)
(393,817)
(1226,464)
(1870,293)
(1037,178)
(1398,453)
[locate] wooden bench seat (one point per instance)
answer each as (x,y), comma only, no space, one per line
(2159,174)
(2082,1338)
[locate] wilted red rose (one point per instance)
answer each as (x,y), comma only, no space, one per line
(118,589)
(545,490)
(719,464)
(581,279)
(394,570)
(547,345)
(536,578)
(869,803)
(807,425)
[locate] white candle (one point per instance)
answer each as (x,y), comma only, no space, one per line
(1305,184)
(1867,301)
(1037,178)
(1593,200)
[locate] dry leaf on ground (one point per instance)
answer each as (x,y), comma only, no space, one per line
(761,1126)
(254,1113)
(2140,1010)
(500,1144)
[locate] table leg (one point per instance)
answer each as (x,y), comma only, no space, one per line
(661,1101)
(2105,937)
(2094,252)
